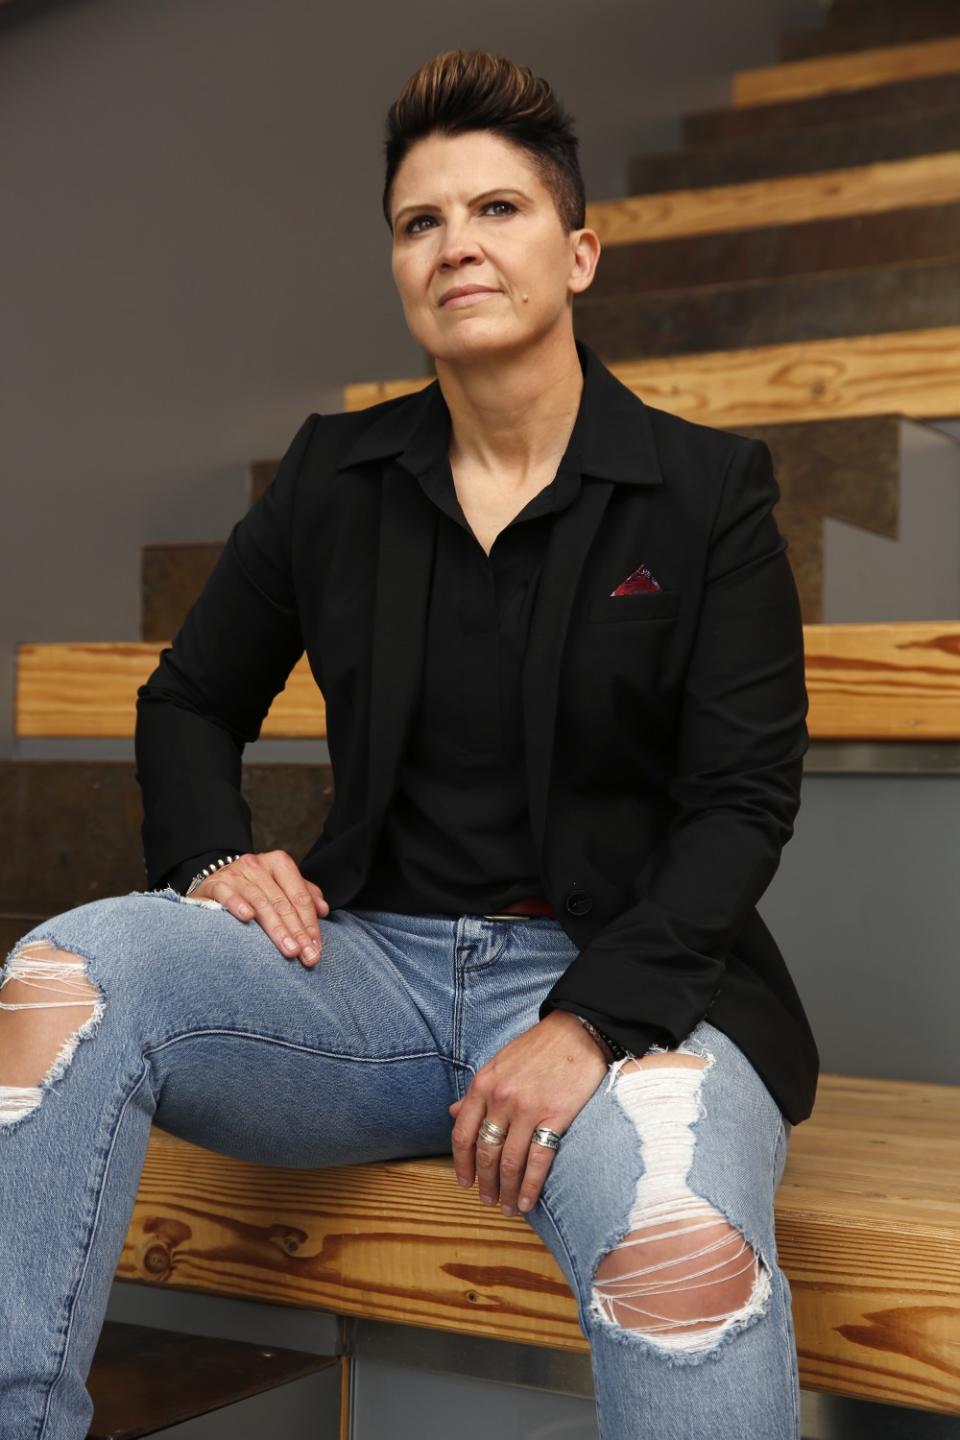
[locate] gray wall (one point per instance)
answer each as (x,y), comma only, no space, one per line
(865,909)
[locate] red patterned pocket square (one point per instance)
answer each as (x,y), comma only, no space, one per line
(640,581)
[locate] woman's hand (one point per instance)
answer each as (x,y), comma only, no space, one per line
(269,888)
(543,1077)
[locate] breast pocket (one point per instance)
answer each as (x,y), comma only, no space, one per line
(644,605)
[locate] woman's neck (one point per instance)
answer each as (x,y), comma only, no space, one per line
(512,417)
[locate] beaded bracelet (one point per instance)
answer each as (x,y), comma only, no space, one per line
(207,871)
(612,1050)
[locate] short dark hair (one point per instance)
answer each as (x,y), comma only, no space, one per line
(462,90)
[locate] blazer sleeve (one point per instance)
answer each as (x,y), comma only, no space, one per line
(652,973)
(215,682)
(180,876)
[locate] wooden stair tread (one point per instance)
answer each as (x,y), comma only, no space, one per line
(911,183)
(865,681)
(855,71)
(867,1224)
(912,373)
(144,1379)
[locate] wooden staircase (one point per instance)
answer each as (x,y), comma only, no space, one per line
(793,273)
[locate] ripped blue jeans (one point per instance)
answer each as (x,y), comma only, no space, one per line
(658,1206)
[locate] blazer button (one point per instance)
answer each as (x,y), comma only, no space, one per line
(578,902)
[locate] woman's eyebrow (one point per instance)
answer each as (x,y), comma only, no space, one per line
(497,190)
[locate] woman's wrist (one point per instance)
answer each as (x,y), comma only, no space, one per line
(207,871)
(611,1050)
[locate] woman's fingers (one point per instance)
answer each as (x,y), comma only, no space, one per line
(512,1172)
(539,1158)
(296,908)
(268,887)
(463,1140)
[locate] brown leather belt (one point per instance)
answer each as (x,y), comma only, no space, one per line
(528,905)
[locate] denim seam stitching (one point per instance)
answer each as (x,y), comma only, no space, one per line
(570,1260)
(294,1045)
(788,1348)
(491,959)
(88,1246)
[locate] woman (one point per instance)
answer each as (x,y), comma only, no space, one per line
(561,654)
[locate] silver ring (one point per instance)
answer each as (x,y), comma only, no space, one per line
(543,1136)
(492,1134)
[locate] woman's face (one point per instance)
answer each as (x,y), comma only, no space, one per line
(471,210)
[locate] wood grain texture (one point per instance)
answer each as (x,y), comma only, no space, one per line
(868,1233)
(782,200)
(884,682)
(869,682)
(912,372)
(868,1229)
(785,200)
(856,71)
(86,689)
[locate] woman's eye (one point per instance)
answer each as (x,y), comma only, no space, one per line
(409,230)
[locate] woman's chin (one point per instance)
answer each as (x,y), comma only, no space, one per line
(471,343)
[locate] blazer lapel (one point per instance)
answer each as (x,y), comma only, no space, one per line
(571,536)
(407,523)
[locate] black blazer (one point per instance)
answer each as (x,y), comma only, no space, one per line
(665,731)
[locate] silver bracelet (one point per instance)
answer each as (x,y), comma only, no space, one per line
(207,871)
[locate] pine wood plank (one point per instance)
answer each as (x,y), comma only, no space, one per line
(856,71)
(867,1223)
(915,373)
(787,200)
(885,682)
(899,681)
(89,689)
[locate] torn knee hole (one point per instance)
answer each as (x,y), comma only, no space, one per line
(41,990)
(682,1275)
(686,1275)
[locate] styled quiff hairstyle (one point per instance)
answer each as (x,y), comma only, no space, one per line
(463,90)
